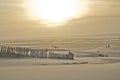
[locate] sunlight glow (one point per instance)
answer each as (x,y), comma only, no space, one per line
(54,11)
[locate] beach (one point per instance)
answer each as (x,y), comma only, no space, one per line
(88,64)
(27,69)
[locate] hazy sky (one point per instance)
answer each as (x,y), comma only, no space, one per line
(103,16)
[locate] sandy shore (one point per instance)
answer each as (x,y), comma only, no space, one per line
(35,70)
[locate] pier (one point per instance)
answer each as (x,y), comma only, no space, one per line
(24,52)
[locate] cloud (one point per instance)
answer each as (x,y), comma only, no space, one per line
(103,17)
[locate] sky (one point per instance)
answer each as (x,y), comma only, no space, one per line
(102,17)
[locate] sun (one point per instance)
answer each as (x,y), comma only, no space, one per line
(53,11)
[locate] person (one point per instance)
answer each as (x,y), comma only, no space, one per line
(108,46)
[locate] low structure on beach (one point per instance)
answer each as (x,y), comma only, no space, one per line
(35,53)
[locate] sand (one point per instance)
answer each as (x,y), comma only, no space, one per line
(32,69)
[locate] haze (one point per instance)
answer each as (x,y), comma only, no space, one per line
(101,17)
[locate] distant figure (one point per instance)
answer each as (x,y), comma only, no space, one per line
(107,46)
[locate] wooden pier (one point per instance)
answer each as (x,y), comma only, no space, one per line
(13,51)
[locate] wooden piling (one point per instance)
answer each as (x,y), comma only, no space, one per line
(35,53)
